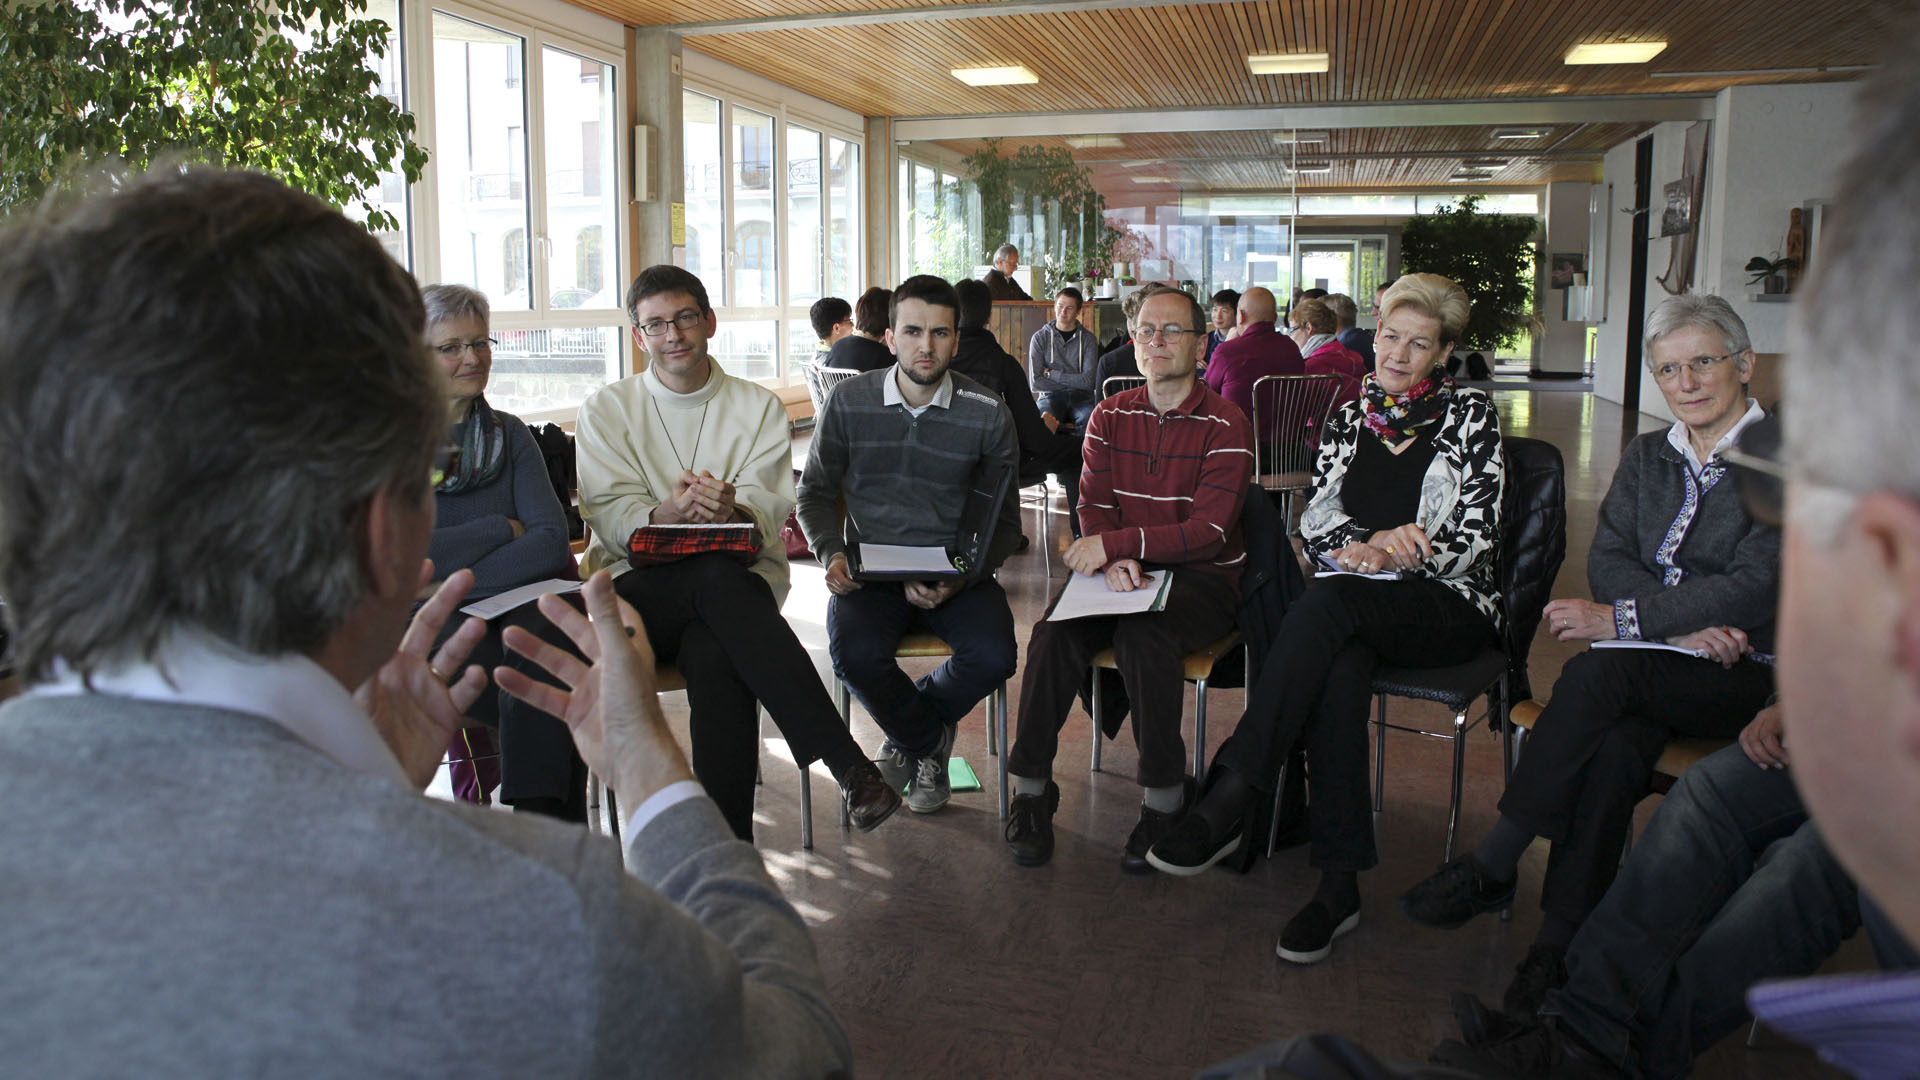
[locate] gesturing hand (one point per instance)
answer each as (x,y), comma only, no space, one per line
(609,704)
(409,699)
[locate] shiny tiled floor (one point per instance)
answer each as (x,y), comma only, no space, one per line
(944,959)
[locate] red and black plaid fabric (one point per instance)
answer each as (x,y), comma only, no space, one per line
(653,545)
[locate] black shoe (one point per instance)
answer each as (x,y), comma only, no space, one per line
(1536,1050)
(1153,827)
(1030,826)
(1481,1023)
(1025,543)
(869,799)
(1191,846)
(1544,969)
(1457,892)
(1309,936)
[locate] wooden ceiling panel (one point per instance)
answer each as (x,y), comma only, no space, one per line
(1193,55)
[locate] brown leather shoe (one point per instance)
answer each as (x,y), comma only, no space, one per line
(868,797)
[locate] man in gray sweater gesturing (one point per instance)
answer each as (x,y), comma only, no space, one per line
(257,418)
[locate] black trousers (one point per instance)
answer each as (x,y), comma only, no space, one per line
(1316,683)
(717,622)
(537,756)
(1149,649)
(1591,756)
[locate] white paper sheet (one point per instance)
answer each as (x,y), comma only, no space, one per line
(1086,597)
(1660,646)
(1333,570)
(495,606)
(904,559)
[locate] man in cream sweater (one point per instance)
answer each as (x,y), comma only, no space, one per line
(686,443)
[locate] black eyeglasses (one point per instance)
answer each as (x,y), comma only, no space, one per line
(1759,474)
(686,320)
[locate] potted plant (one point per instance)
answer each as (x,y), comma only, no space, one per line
(1770,275)
(1490,255)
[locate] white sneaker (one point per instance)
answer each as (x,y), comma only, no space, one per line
(931,789)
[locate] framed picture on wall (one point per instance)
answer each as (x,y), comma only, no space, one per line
(1564,266)
(1678,217)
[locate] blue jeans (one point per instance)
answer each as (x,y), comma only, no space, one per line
(1729,885)
(864,629)
(1069,407)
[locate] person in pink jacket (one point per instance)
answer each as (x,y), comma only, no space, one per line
(1314,328)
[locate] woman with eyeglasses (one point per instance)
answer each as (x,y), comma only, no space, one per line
(498,516)
(1404,516)
(1683,577)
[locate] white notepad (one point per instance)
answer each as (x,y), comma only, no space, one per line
(1085,597)
(1333,570)
(904,559)
(1660,646)
(501,603)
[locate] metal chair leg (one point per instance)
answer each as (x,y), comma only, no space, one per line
(1459,772)
(1273,823)
(806,809)
(1380,755)
(1095,767)
(999,723)
(843,700)
(1200,729)
(593,802)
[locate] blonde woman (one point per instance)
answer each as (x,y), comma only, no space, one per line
(1408,481)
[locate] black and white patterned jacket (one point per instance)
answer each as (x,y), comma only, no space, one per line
(1459,497)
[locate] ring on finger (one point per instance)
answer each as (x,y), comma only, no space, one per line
(437,673)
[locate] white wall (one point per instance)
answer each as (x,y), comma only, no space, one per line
(1771,149)
(1776,147)
(1563,348)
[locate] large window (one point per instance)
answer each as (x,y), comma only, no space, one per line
(773,224)
(525,199)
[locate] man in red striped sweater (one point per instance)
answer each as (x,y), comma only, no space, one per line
(1166,468)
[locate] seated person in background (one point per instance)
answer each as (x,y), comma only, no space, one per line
(1730,884)
(1225,305)
(1006,259)
(685,443)
(1044,448)
(497,515)
(832,319)
(1062,359)
(1183,515)
(239,692)
(898,450)
(1675,558)
(1313,323)
(1346,315)
(863,349)
(1120,359)
(1257,350)
(1414,488)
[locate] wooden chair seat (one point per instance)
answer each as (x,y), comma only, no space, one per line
(1199,664)
(1286,481)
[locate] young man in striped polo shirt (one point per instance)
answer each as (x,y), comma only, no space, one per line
(899,448)
(1167,467)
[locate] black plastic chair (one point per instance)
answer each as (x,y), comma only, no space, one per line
(1533,544)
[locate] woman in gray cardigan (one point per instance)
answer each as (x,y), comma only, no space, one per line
(1676,561)
(498,516)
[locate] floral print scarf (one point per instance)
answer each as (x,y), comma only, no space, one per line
(1395,418)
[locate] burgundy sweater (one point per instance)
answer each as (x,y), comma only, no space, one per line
(1166,488)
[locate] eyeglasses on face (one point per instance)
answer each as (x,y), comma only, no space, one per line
(1171,333)
(686,320)
(481,347)
(1701,366)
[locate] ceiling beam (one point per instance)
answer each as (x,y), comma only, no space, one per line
(944,13)
(1637,108)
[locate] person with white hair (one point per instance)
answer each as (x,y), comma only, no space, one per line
(1676,561)
(1006,259)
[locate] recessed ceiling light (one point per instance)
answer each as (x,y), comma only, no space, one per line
(1615,52)
(996,76)
(1094,142)
(1288,63)
(1486,163)
(1519,133)
(1310,168)
(1289,138)
(1467,176)
(1150,179)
